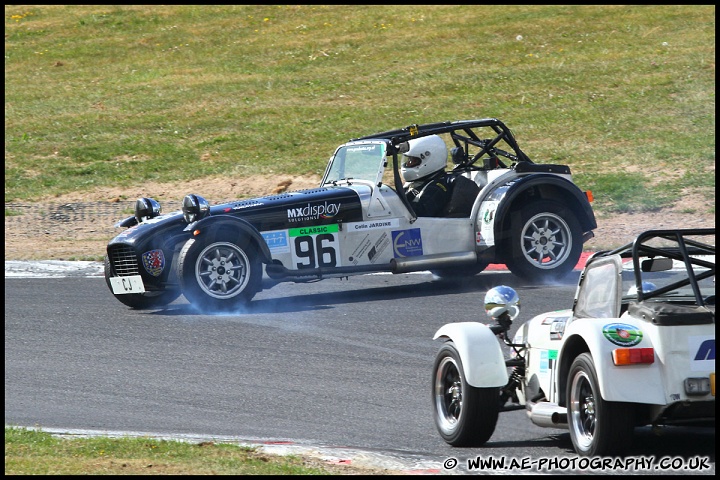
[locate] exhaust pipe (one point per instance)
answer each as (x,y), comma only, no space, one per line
(548,415)
(430,262)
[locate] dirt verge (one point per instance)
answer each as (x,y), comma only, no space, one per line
(78,226)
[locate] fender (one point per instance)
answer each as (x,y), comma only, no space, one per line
(215,222)
(480,353)
(628,383)
(497,204)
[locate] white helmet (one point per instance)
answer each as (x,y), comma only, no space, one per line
(425,156)
(646,287)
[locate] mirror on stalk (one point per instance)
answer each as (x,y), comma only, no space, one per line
(502,300)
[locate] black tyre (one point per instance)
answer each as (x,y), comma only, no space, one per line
(545,242)
(219,274)
(465,416)
(597,427)
(141,301)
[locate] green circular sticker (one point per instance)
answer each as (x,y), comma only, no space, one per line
(622,334)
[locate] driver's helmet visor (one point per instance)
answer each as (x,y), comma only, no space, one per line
(412,162)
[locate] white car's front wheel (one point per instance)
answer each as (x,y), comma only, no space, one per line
(597,427)
(465,416)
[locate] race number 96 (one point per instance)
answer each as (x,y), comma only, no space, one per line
(314,247)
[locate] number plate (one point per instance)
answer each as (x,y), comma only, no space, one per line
(122,285)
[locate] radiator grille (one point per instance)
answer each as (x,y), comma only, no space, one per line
(124,261)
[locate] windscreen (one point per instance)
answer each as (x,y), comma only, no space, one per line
(356,161)
(599,292)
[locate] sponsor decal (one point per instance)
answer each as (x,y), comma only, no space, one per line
(557,328)
(277,241)
(360,250)
(362,226)
(370,248)
(407,243)
(315,230)
(706,351)
(240,206)
(702,352)
(486,234)
(547,360)
(313,212)
(550,318)
(379,247)
(154,262)
(488,216)
(622,334)
(362,148)
(544,363)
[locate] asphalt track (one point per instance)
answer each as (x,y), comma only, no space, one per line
(401,463)
(336,454)
(332,453)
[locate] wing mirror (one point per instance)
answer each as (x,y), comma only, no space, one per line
(502,303)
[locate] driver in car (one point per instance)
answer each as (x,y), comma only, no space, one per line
(427,185)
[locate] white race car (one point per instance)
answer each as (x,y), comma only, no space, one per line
(637,348)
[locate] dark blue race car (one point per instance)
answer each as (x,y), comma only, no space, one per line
(507,209)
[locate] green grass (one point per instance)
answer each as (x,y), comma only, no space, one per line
(119,95)
(33,452)
(12,213)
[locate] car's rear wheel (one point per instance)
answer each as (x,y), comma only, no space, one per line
(465,416)
(217,274)
(597,427)
(140,301)
(545,242)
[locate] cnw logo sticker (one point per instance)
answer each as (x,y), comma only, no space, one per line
(407,243)
(702,352)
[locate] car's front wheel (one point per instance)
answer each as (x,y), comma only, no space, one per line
(465,416)
(545,242)
(219,274)
(140,301)
(597,427)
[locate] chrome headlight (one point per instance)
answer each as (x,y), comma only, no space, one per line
(146,208)
(194,208)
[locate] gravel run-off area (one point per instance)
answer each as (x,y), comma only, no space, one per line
(78,226)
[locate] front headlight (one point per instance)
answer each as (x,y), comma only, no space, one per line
(194,208)
(146,208)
